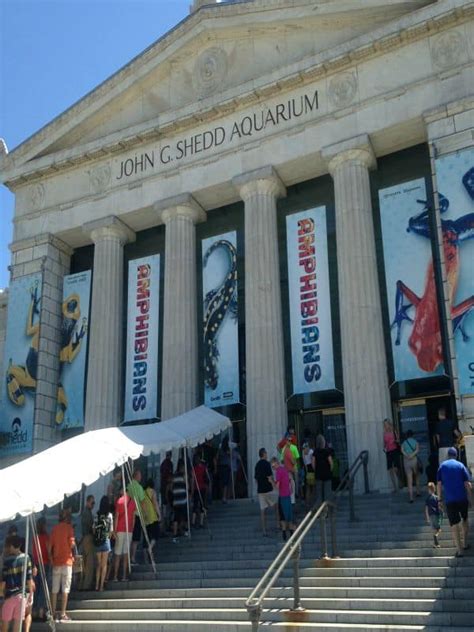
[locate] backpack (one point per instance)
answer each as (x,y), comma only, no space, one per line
(100,531)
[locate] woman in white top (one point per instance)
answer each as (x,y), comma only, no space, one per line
(410,449)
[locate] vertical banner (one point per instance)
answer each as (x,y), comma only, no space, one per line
(455,176)
(72,357)
(141,382)
(310,305)
(21,362)
(411,290)
(220,325)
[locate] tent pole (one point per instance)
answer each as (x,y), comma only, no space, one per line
(25,570)
(126,520)
(187,487)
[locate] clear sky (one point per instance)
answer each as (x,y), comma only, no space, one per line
(52,52)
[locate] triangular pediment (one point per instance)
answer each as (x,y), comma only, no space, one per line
(216,54)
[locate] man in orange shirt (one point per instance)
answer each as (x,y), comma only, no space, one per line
(62,557)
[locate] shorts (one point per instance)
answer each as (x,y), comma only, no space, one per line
(103,548)
(62,578)
(267,499)
(410,465)
(137,530)
(392,459)
(153,530)
(285,508)
(122,543)
(180,513)
(11,610)
(457,511)
(436,520)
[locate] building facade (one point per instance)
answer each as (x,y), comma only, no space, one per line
(254,199)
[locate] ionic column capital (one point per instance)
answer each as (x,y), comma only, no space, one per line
(182,206)
(110,227)
(357,150)
(264,181)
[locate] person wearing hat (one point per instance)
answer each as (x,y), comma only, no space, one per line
(454,490)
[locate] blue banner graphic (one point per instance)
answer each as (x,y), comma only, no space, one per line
(141,382)
(72,357)
(409,273)
(220,326)
(310,305)
(455,176)
(21,363)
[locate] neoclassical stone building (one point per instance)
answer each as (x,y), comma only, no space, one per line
(243,115)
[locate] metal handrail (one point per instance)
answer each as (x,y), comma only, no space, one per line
(292,548)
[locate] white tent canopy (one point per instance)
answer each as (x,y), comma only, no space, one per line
(44,479)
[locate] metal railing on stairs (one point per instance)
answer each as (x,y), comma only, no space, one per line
(292,548)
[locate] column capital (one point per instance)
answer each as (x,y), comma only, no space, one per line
(263,181)
(180,206)
(110,227)
(358,149)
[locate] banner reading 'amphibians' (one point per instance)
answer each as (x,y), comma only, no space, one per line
(20,362)
(72,357)
(455,175)
(220,326)
(141,384)
(310,307)
(411,291)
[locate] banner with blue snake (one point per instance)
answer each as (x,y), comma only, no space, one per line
(141,378)
(310,305)
(455,176)
(220,324)
(17,405)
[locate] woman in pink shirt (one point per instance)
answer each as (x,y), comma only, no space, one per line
(391,447)
(283,483)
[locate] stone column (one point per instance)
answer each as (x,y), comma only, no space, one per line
(180,391)
(51,257)
(265,364)
(366,392)
(104,377)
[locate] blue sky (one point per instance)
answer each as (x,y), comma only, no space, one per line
(53,52)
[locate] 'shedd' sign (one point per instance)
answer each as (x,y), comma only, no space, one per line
(409,274)
(72,357)
(20,366)
(310,308)
(220,326)
(455,174)
(142,339)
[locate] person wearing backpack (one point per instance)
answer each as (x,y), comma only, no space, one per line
(101,533)
(410,449)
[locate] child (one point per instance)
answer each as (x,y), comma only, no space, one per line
(433,513)
(283,483)
(11,583)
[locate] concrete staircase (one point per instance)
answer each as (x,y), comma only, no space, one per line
(388,578)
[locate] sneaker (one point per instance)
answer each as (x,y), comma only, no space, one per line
(64,618)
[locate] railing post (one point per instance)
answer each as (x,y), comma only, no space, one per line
(366,472)
(324,537)
(296,579)
(255,613)
(333,531)
(351,500)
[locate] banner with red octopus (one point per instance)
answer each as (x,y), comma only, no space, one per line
(455,177)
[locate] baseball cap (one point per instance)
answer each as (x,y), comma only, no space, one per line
(452,452)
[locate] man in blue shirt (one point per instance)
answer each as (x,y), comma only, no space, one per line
(455,487)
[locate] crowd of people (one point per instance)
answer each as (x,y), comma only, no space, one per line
(449,487)
(291,475)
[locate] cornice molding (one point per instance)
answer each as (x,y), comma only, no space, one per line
(326,66)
